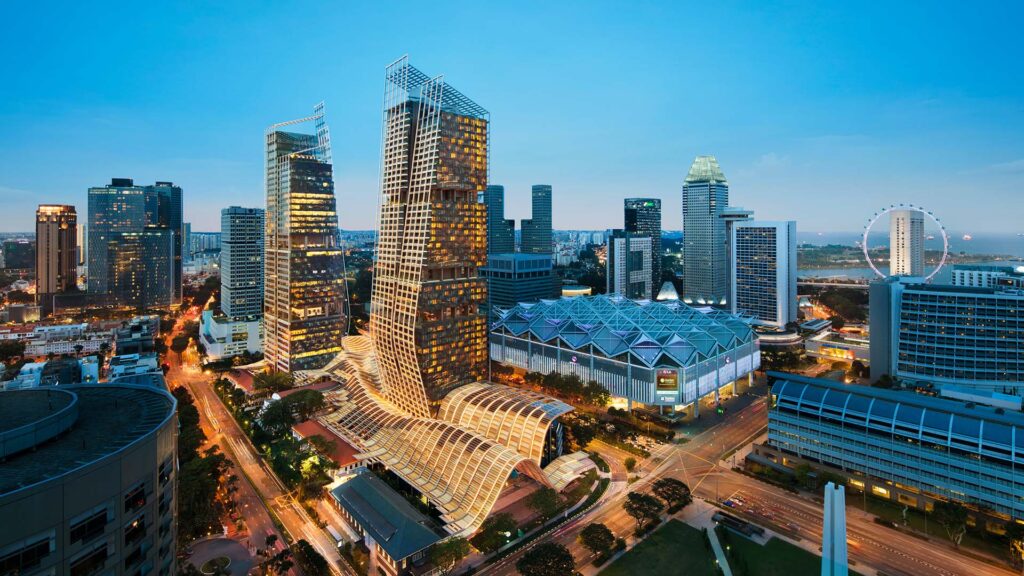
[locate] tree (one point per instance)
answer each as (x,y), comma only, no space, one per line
(179,344)
(495,532)
(11,349)
(642,507)
(447,554)
(308,559)
(1015,538)
(20,297)
(675,492)
(277,418)
(78,350)
(544,502)
(190,436)
(267,382)
(837,322)
(953,517)
(280,563)
(305,403)
(858,369)
(597,538)
(630,463)
(547,559)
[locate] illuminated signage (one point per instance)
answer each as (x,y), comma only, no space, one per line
(668,380)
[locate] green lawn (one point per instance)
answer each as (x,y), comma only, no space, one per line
(675,548)
(776,558)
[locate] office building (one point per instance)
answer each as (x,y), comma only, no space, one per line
(706,269)
(82,242)
(90,475)
(304,302)
(643,218)
(731,216)
(186,241)
(135,243)
(515,278)
(225,337)
(763,271)
(940,334)
(664,354)
(204,243)
(628,265)
(429,320)
(56,252)
(987,276)
(501,233)
(241,262)
(19,255)
(536,236)
(902,446)
(906,243)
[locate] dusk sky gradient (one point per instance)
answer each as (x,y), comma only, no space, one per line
(817,112)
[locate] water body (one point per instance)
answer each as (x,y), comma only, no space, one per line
(945,276)
(979,243)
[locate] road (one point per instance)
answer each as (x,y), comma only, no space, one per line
(260,492)
(698,463)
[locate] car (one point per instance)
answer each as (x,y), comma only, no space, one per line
(729,503)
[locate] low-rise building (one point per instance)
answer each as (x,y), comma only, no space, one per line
(137,336)
(664,354)
(340,451)
(224,337)
(831,345)
(899,445)
(395,533)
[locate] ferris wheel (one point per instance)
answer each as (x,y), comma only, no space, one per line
(874,219)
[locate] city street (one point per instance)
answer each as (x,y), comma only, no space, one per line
(698,463)
(260,493)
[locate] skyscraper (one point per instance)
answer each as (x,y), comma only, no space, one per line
(628,266)
(705,196)
(56,252)
(83,244)
(537,230)
(643,216)
(241,261)
(906,243)
(501,233)
(429,324)
(186,241)
(763,270)
(304,301)
(122,208)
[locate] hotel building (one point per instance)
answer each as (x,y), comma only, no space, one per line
(705,197)
(763,271)
(56,252)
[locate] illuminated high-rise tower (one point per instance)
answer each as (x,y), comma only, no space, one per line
(428,319)
(705,196)
(906,243)
(56,252)
(304,300)
(643,216)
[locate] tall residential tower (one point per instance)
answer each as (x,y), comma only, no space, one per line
(906,243)
(429,323)
(304,298)
(705,196)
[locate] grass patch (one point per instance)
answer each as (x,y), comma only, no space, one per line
(776,558)
(675,548)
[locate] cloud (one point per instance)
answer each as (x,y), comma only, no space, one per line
(8,193)
(771,160)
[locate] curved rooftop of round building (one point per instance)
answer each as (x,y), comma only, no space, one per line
(46,433)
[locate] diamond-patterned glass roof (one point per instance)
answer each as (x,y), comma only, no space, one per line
(655,332)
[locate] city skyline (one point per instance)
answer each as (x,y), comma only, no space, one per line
(832,120)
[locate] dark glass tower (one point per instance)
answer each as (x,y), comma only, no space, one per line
(501,233)
(537,230)
(643,217)
(705,197)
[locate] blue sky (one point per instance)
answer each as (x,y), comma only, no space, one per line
(817,112)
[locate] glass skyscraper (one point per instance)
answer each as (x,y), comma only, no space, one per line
(501,233)
(705,196)
(122,208)
(305,301)
(537,230)
(241,261)
(764,271)
(643,217)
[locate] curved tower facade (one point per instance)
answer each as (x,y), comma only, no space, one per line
(428,321)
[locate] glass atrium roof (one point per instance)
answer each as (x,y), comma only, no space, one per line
(616,325)
(705,169)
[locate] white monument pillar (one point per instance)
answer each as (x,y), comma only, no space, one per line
(833,534)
